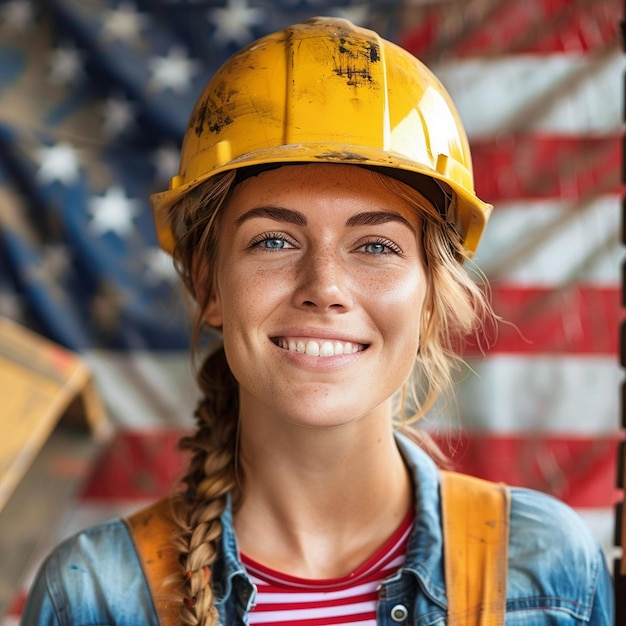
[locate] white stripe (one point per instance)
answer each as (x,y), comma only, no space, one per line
(312,596)
(262,617)
(550,242)
(309,596)
(568,395)
(512,393)
(559,93)
(145,389)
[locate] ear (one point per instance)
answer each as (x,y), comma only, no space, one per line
(213,314)
(207,293)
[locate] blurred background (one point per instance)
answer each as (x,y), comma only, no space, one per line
(94,98)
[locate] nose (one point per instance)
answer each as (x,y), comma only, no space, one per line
(323,283)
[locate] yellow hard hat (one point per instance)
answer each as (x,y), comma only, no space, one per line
(327,91)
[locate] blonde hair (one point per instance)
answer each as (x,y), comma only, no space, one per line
(455,307)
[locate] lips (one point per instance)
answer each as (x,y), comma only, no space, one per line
(318,347)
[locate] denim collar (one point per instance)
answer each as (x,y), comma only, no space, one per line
(424,553)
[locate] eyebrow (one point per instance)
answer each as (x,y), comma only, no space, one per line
(281,214)
(373,218)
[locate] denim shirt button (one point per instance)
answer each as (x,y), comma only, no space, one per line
(399,613)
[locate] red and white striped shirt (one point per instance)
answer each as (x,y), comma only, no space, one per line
(350,600)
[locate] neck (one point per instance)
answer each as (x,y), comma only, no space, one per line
(323,500)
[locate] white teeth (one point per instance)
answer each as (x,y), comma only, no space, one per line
(312,348)
(327,349)
(317,348)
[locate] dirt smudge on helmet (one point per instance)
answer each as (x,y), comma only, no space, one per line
(215,112)
(342,156)
(354,59)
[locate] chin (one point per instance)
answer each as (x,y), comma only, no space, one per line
(320,417)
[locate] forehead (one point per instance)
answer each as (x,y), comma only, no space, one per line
(320,188)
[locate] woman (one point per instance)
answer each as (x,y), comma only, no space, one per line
(322,213)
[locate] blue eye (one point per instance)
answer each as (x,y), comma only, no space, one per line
(274,243)
(271,242)
(375,248)
(380,247)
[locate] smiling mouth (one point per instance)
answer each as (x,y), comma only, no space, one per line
(319,347)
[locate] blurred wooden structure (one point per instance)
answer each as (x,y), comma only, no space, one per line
(52,422)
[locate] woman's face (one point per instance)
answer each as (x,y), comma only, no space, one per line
(320,285)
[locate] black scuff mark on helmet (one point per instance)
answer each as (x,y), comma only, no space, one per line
(196,121)
(218,118)
(214,112)
(354,59)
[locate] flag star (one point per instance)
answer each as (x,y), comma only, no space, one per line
(58,162)
(166,162)
(159,266)
(17,15)
(173,71)
(233,23)
(66,65)
(123,23)
(118,116)
(113,212)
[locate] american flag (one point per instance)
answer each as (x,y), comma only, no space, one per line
(94,98)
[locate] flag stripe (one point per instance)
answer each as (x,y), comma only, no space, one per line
(539,395)
(144,465)
(553,243)
(532,166)
(513,26)
(559,94)
(577,471)
(576,319)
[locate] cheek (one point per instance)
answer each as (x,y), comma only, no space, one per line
(400,306)
(406,296)
(249,298)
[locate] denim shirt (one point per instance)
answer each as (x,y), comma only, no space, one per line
(557,572)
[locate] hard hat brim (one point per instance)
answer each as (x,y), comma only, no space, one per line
(472,211)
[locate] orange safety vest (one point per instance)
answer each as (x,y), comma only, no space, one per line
(475,517)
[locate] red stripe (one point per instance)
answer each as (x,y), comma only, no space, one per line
(514,26)
(579,319)
(17,604)
(287,605)
(514,166)
(325,621)
(137,465)
(579,471)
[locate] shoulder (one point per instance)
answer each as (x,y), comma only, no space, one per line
(92,552)
(544,526)
(88,579)
(555,563)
